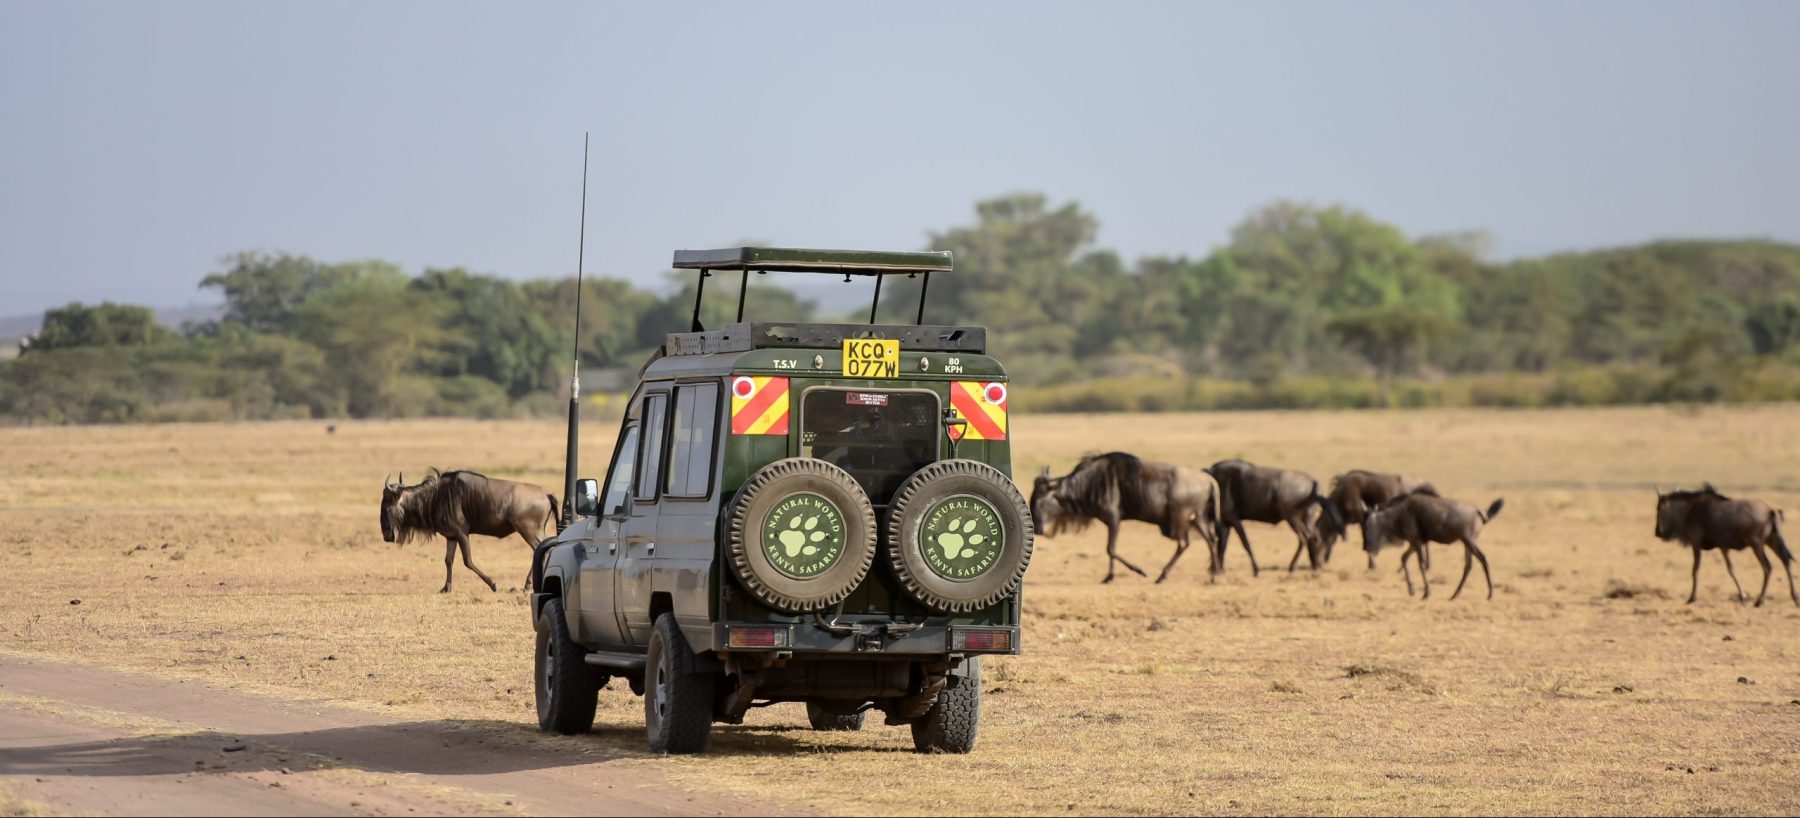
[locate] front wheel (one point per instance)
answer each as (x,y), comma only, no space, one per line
(832,719)
(568,688)
(678,701)
(950,726)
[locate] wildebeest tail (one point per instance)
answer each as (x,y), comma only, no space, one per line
(554,513)
(1330,508)
(1494,509)
(1777,541)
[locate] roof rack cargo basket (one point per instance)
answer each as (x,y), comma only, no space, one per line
(746,336)
(876,263)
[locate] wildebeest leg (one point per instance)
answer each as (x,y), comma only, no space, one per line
(449,563)
(1468,563)
(1733,574)
(1762,557)
(1255,570)
(469,561)
(533,548)
(1481,557)
(1112,552)
(1424,581)
(1694,590)
(1405,571)
(1182,541)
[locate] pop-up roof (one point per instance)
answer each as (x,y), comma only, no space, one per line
(793,260)
(745,260)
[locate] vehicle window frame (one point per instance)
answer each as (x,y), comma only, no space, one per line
(712,431)
(630,428)
(644,442)
(799,428)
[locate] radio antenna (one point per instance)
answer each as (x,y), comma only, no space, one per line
(570,463)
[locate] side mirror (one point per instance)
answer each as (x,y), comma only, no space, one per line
(587,497)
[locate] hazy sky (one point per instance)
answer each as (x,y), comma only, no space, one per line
(140,142)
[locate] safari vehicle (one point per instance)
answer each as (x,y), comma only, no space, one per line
(808,513)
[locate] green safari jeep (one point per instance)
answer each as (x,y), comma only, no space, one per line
(811,513)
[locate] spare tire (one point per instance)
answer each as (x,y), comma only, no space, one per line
(959,535)
(801,535)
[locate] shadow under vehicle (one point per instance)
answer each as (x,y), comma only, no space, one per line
(811,513)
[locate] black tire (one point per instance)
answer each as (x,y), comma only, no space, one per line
(954,493)
(678,701)
(831,524)
(951,725)
(568,688)
(822,718)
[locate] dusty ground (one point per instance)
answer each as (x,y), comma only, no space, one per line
(248,556)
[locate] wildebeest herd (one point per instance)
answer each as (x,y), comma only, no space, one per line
(1391,510)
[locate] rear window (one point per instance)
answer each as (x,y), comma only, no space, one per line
(880,438)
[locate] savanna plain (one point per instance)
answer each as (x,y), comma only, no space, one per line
(249,557)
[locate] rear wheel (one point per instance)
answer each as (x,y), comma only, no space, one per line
(829,719)
(568,688)
(950,726)
(678,701)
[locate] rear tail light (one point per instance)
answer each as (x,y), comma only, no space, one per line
(757,636)
(981,639)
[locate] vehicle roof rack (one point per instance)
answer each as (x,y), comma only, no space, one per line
(847,263)
(746,336)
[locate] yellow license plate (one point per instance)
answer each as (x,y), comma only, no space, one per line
(871,358)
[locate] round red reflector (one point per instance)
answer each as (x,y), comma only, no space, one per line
(995,393)
(743,387)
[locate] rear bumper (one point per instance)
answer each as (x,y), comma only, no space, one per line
(865,641)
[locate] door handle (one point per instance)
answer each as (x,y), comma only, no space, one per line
(612,547)
(653,549)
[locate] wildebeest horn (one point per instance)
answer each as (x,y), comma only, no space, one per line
(402,479)
(1045,472)
(388,480)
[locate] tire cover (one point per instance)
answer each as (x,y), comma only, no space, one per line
(801,535)
(959,535)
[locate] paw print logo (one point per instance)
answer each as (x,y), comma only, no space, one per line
(800,535)
(960,534)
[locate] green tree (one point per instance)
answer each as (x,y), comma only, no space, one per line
(1774,326)
(491,331)
(108,324)
(264,292)
(373,329)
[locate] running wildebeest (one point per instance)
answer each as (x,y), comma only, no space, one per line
(1266,494)
(1706,520)
(1418,519)
(456,504)
(1115,487)
(1358,491)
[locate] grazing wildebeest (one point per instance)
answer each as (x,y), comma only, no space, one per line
(456,504)
(1266,494)
(1115,487)
(1355,493)
(1417,519)
(1706,520)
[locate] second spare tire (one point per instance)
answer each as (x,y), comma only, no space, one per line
(800,534)
(959,535)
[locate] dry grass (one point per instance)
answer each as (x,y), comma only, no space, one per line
(249,555)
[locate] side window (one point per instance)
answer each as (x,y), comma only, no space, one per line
(618,481)
(691,440)
(650,450)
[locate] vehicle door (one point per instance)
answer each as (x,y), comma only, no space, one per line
(599,540)
(635,536)
(688,522)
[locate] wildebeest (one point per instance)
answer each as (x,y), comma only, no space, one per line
(1358,491)
(1706,520)
(1266,494)
(1115,487)
(455,504)
(1417,519)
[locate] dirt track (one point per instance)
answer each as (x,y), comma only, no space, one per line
(81,740)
